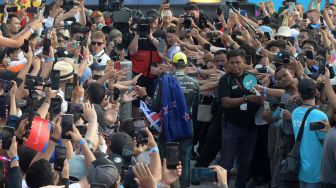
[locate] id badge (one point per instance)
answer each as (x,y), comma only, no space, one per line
(243,107)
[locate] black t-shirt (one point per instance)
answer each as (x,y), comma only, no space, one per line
(230,86)
(144,44)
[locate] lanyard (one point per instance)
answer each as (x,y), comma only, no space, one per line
(240,86)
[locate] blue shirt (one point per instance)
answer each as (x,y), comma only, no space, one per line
(310,148)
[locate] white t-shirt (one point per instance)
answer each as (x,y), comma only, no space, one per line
(75,185)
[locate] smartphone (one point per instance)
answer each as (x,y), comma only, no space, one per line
(75,44)
(234,36)
(310,55)
(262,70)
(322,67)
(282,105)
(32,9)
(243,13)
(12,9)
(6,85)
(55,106)
(267,106)
(322,22)
(172,154)
(109,63)
(69,87)
(21,103)
(286,61)
(291,7)
(211,35)
(139,124)
(7,135)
(201,174)
(82,129)
(3,106)
(117,65)
(304,16)
(76,108)
(96,77)
(67,122)
(267,35)
(60,155)
(162,45)
(291,40)
(46,46)
(55,79)
(316,126)
(207,47)
(248,59)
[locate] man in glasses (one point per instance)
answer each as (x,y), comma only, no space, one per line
(100,57)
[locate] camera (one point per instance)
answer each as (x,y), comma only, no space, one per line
(102,27)
(34,81)
(188,20)
(119,46)
(115,5)
(143,27)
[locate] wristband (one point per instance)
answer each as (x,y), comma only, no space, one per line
(15,158)
(53,139)
(81,142)
(51,59)
(154,149)
(265,91)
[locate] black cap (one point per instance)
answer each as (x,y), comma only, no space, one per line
(191,6)
(307,88)
(283,54)
(119,141)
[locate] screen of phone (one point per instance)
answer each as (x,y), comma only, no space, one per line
(172,155)
(60,154)
(67,122)
(55,79)
(69,87)
(7,135)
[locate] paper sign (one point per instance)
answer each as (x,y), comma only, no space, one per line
(249,82)
(39,134)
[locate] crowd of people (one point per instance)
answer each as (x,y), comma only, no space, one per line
(249,97)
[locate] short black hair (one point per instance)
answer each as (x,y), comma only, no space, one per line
(11,16)
(277,43)
(40,174)
(311,42)
(219,52)
(236,52)
(96,93)
(26,156)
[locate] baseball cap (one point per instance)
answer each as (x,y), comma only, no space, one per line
(190,6)
(307,88)
(77,167)
(180,58)
(103,175)
(119,141)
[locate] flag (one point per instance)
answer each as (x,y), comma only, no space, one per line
(39,134)
(152,117)
(176,121)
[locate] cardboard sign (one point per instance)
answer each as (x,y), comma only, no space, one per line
(249,82)
(39,134)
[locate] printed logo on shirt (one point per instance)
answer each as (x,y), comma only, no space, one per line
(235,87)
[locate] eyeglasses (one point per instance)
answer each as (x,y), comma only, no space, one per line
(96,43)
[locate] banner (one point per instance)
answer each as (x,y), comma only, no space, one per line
(39,134)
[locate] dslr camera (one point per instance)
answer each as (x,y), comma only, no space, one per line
(34,81)
(188,20)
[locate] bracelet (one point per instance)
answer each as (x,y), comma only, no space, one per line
(154,149)
(81,142)
(15,158)
(53,139)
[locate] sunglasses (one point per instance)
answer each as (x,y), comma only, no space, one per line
(96,43)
